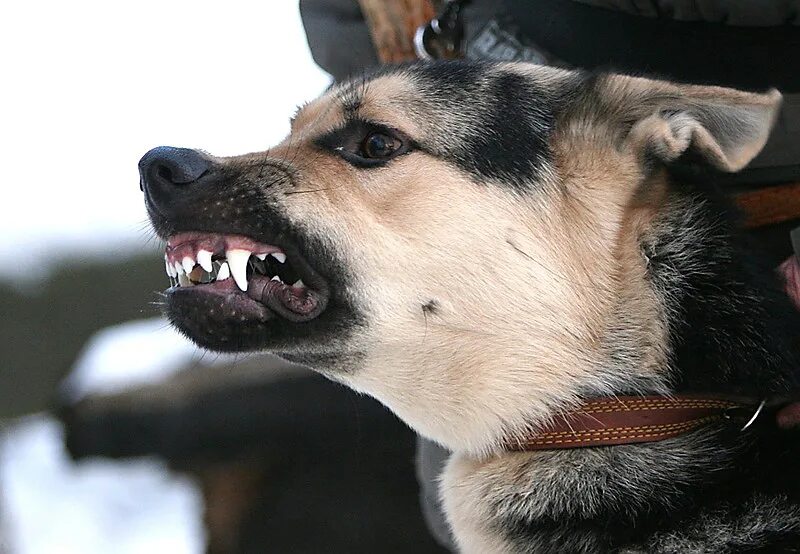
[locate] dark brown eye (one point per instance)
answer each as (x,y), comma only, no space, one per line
(380,145)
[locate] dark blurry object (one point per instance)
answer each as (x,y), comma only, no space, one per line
(338,36)
(45,325)
(297,464)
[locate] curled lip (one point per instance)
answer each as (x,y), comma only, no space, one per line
(253,279)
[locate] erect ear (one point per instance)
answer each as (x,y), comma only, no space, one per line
(727,128)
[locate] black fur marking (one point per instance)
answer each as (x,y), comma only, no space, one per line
(450,80)
(510,119)
(735,330)
(513,144)
(430,307)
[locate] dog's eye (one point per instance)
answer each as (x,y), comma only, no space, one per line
(365,144)
(380,145)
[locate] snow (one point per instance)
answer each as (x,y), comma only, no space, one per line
(90,86)
(130,354)
(52,505)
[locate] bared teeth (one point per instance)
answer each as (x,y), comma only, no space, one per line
(188,265)
(192,261)
(224,272)
(170,270)
(204,259)
(237,259)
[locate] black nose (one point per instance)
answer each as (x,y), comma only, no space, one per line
(164,170)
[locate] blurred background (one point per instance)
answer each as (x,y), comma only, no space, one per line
(117,435)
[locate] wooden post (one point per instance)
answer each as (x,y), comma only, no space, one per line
(392,24)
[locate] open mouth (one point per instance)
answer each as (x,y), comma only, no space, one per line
(254,279)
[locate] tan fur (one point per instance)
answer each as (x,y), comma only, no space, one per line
(525,289)
(489,311)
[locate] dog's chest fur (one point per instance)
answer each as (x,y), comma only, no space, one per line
(681,495)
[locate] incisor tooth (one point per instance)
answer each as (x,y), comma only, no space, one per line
(261,257)
(224,272)
(184,281)
(204,259)
(178,269)
(280,256)
(188,264)
(237,259)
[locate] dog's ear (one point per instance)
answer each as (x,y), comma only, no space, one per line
(727,128)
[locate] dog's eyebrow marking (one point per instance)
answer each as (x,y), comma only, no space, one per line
(350,107)
(352,98)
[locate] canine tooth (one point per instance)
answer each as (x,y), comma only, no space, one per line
(168,267)
(280,256)
(224,272)
(261,257)
(299,284)
(204,259)
(178,269)
(237,259)
(188,264)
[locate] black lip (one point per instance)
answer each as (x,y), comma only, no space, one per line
(277,297)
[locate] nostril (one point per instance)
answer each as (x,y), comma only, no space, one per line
(165,173)
(166,165)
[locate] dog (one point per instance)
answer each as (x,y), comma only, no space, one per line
(483,246)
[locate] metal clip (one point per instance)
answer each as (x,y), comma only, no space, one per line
(441,37)
(729,414)
(755,415)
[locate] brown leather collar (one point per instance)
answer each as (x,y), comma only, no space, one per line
(635,419)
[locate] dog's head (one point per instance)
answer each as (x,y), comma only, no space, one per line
(462,241)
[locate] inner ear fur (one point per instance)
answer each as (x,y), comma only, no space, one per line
(727,128)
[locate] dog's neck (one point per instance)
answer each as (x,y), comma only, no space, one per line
(732,328)
(732,331)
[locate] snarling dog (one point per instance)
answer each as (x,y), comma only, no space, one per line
(482,247)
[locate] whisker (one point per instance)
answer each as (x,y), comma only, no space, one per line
(312,190)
